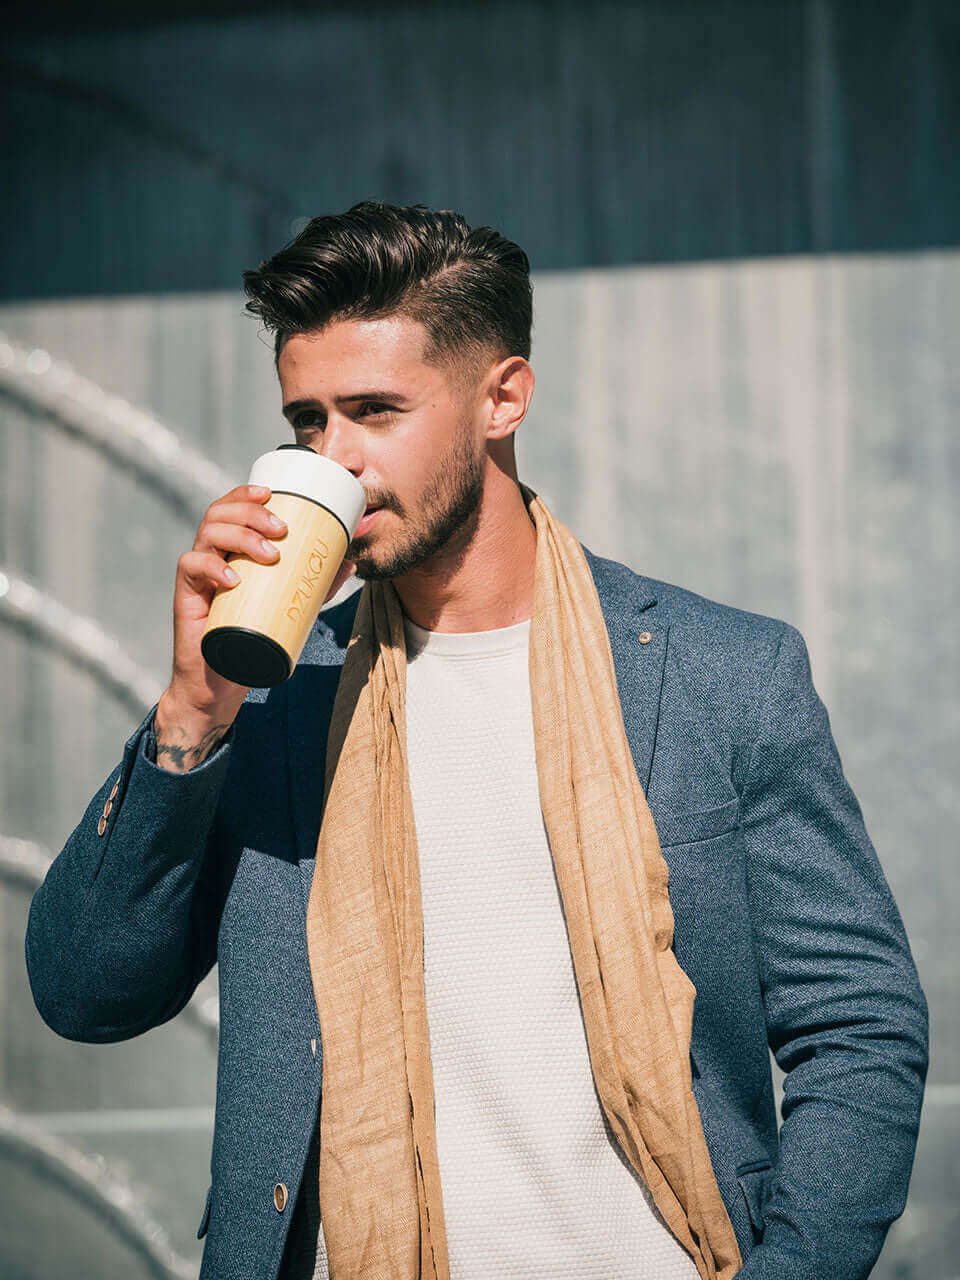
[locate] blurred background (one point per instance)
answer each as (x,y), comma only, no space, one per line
(743,218)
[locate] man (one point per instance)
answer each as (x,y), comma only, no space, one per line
(577,1123)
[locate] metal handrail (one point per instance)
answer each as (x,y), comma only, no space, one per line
(130,437)
(79,639)
(92,1182)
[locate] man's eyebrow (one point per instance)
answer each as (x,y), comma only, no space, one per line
(386,397)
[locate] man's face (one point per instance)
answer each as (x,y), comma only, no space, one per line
(360,392)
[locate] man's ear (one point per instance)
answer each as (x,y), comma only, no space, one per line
(510,388)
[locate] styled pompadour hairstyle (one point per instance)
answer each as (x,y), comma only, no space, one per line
(469,286)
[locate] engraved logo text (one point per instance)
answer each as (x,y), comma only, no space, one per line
(306,584)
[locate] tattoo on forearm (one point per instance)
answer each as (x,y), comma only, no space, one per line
(185,757)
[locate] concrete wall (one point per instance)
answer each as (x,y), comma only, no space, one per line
(776,434)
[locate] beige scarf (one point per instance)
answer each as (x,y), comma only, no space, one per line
(380,1194)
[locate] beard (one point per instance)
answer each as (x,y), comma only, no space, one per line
(450,501)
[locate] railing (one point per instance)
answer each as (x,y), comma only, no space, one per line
(101,1191)
(130,437)
(79,639)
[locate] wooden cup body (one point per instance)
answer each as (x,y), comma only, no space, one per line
(282,600)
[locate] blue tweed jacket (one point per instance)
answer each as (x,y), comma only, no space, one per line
(783,920)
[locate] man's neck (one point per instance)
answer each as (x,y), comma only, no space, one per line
(486,583)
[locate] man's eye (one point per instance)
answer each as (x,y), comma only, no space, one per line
(300,422)
(309,419)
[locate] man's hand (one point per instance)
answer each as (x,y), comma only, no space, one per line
(199,706)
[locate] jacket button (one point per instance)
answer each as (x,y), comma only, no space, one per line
(101,825)
(644,637)
(107,808)
(280,1197)
(113,792)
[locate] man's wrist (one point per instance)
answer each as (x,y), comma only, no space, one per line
(184,736)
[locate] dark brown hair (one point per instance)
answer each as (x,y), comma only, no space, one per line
(469,287)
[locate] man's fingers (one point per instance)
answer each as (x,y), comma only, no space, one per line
(237,538)
(201,570)
(241,515)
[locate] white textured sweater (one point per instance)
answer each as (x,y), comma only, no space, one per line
(534,1183)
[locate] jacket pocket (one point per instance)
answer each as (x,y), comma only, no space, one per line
(689,828)
(205,1220)
(754,1181)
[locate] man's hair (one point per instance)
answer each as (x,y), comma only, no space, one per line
(469,287)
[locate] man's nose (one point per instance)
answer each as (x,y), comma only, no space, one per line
(341,441)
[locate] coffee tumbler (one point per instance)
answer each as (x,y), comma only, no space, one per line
(256,630)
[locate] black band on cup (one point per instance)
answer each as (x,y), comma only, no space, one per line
(246,657)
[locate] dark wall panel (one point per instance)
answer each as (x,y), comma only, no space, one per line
(144,154)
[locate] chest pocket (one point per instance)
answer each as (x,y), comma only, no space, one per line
(690,791)
(689,828)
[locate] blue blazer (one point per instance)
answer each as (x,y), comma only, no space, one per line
(783,920)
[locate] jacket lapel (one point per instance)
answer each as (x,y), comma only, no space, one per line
(630,609)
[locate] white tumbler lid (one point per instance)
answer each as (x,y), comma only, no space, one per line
(301,470)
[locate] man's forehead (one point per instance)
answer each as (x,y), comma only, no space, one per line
(392,346)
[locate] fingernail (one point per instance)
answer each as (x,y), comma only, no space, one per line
(231,576)
(269,547)
(276,522)
(258,489)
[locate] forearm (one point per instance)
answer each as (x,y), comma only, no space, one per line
(123,926)
(185,737)
(841,1177)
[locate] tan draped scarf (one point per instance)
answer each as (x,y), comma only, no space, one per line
(380,1193)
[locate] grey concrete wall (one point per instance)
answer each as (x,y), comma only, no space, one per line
(777,434)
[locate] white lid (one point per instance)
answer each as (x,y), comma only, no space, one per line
(308,473)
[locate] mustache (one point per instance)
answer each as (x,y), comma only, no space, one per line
(373,501)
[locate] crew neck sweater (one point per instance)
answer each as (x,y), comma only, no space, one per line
(534,1183)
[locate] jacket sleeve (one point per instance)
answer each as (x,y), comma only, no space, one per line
(124,925)
(846,1017)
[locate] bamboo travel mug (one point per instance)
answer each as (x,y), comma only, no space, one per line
(256,630)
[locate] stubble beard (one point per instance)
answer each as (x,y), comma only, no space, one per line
(451,499)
